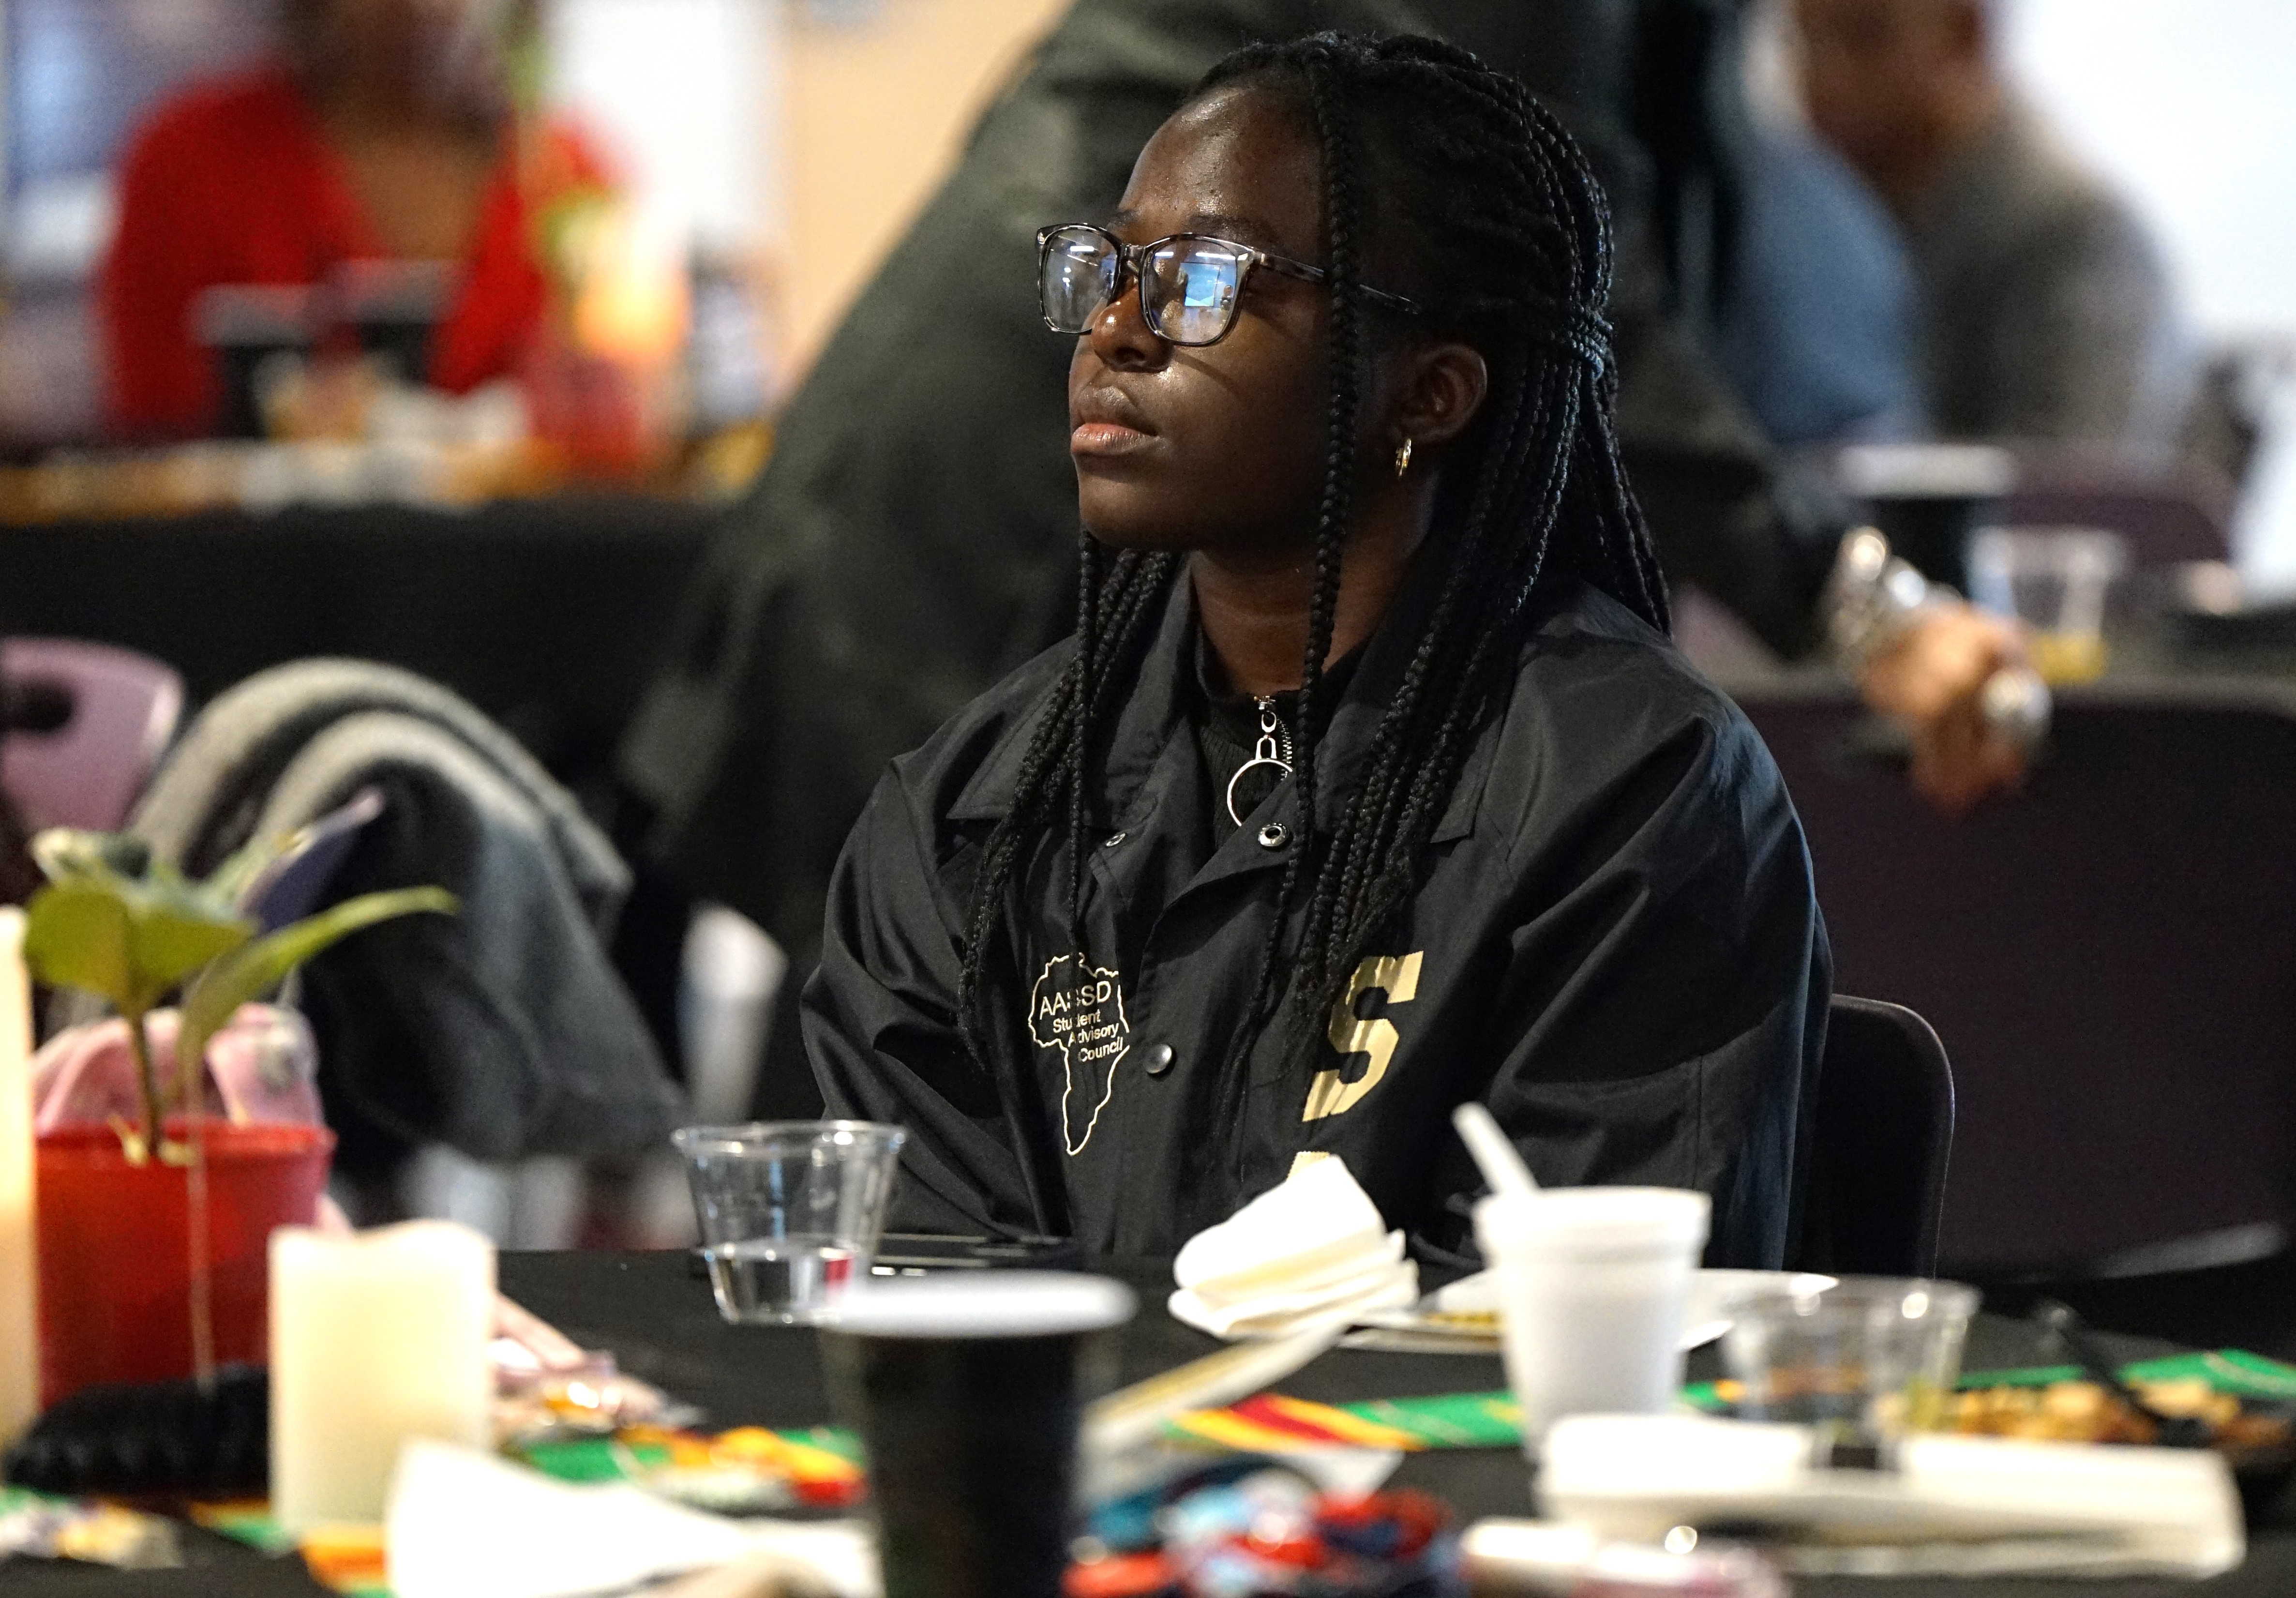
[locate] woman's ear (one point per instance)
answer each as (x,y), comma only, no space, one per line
(1443,391)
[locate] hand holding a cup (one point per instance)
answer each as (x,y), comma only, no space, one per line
(1935,679)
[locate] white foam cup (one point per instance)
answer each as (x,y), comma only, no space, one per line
(1594,1286)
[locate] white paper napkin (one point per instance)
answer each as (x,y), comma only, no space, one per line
(1706,1317)
(463,1524)
(1314,1247)
(1953,1505)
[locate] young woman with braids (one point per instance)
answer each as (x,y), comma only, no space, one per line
(1370,782)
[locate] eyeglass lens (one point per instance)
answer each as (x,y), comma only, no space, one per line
(1188,295)
(1080,273)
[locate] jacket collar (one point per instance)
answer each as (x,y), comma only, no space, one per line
(1153,716)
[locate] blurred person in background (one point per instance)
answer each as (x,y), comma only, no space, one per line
(2046,310)
(913,539)
(385,131)
(1771,244)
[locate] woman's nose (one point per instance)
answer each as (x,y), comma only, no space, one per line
(1120,335)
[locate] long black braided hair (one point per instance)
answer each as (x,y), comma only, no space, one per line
(1505,239)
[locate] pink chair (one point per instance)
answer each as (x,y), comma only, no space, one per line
(87,771)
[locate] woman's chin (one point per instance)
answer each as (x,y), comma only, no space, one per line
(1122,521)
(1135,540)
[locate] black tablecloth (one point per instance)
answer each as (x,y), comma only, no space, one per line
(549,615)
(657,1316)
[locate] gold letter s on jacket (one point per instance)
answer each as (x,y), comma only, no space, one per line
(1397,975)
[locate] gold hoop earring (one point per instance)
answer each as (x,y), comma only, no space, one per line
(1403,458)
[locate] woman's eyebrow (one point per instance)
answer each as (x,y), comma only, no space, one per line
(1243,230)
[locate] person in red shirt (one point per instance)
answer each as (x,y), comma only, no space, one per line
(385,132)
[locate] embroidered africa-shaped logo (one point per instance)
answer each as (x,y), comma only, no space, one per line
(1078,1009)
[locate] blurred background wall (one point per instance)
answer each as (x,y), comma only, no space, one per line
(809,131)
(2186,106)
(876,110)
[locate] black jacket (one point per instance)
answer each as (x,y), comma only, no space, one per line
(1616,948)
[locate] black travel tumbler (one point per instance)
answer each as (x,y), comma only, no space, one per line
(967,1390)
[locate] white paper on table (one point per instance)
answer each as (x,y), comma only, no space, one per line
(1706,1317)
(466,1524)
(1336,1468)
(1953,1505)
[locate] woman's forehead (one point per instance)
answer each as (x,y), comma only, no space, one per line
(1238,162)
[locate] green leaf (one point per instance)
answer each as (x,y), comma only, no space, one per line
(123,925)
(229,881)
(249,970)
(167,941)
(166,889)
(66,852)
(77,934)
(125,941)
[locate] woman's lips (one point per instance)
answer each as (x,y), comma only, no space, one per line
(1106,438)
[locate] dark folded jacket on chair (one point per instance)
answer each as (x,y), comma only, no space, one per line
(502,1030)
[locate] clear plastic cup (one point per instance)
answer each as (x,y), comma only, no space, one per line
(1870,1358)
(2054,579)
(1594,1286)
(790,1211)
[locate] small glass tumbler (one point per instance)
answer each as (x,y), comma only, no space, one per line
(790,1211)
(1866,1360)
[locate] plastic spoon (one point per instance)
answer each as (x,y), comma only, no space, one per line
(1494,1152)
(2062,1325)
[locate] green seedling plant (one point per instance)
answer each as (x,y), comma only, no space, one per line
(115,922)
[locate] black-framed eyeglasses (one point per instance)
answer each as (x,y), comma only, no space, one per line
(1191,283)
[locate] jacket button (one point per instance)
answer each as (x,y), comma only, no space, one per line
(1160,1060)
(1113,840)
(1273,836)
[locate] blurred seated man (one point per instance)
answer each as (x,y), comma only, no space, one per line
(2047,316)
(384,132)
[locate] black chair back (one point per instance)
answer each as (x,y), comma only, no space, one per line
(2113,951)
(2164,521)
(1880,1145)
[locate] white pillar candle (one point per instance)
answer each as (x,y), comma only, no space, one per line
(375,1337)
(19,1253)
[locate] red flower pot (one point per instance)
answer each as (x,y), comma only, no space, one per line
(115,1272)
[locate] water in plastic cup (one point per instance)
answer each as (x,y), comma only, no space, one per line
(1864,1360)
(790,1211)
(1594,1285)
